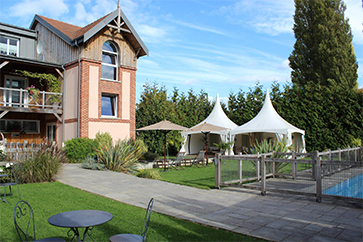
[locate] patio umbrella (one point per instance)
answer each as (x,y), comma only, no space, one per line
(165,126)
(206,128)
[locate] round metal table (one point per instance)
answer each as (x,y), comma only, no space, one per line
(80,219)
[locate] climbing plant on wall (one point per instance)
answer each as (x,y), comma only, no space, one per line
(50,80)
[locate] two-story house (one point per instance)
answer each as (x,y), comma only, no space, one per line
(86,79)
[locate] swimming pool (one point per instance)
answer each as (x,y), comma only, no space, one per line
(353,187)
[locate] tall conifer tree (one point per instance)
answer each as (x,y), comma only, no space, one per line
(323,52)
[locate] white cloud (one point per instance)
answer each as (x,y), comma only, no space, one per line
(151,34)
(197,27)
(354,12)
(26,9)
(147,63)
(270,17)
(191,81)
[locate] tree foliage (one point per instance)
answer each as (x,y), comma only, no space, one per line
(324,98)
(155,106)
(332,117)
(323,52)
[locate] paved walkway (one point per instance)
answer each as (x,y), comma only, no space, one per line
(274,217)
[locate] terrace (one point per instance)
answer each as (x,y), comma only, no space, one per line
(19,100)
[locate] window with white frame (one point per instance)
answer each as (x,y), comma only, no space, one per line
(109,61)
(109,105)
(9,46)
(27,126)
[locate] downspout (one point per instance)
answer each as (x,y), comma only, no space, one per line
(63,100)
(79,92)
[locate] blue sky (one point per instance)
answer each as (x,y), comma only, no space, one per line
(218,46)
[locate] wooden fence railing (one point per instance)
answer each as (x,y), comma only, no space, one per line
(322,164)
(19,151)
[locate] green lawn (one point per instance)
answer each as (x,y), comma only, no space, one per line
(48,199)
(202,177)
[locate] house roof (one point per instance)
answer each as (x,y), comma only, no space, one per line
(267,120)
(73,34)
(21,60)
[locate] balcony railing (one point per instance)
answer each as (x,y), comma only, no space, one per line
(20,98)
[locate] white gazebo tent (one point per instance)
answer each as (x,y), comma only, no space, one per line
(193,140)
(268,124)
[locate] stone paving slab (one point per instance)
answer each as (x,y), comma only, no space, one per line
(275,217)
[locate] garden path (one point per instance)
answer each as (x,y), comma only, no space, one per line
(275,217)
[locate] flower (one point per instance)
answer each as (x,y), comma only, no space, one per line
(9,164)
(1,169)
(33,91)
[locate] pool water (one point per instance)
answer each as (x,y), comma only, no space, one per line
(353,187)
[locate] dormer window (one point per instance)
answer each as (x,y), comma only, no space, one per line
(9,46)
(109,61)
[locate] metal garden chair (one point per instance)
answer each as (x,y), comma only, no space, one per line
(178,161)
(24,223)
(15,175)
(136,237)
(199,159)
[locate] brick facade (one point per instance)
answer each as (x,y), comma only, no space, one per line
(110,87)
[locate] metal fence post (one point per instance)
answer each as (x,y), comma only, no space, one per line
(263,175)
(318,179)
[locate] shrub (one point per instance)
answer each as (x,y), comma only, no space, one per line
(103,138)
(224,145)
(92,164)
(119,157)
(269,146)
(3,155)
(143,147)
(44,164)
(149,156)
(149,173)
(6,170)
(79,149)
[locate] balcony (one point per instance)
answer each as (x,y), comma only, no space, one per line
(19,100)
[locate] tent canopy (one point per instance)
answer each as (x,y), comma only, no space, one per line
(268,121)
(219,125)
(217,118)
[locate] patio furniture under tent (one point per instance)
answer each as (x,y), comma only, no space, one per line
(268,124)
(193,140)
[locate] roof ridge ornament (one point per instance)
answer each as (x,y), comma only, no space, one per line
(119,23)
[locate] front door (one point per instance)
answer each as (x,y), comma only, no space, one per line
(13,97)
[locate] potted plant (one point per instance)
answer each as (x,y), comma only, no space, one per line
(33,91)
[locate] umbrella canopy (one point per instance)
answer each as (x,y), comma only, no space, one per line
(163,125)
(206,127)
